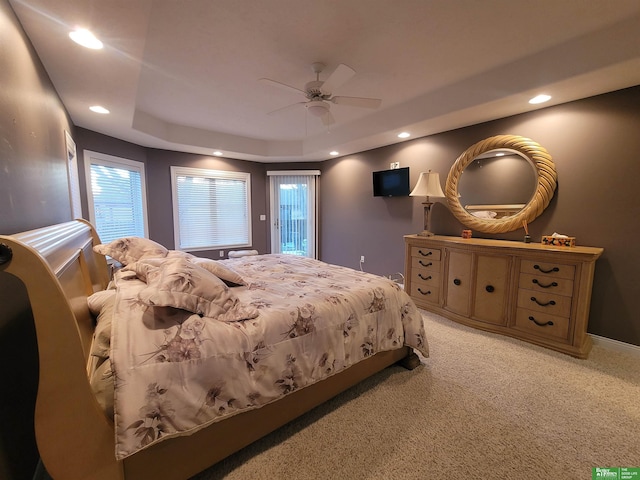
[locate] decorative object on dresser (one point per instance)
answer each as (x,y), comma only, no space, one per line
(537,293)
(428,186)
(507,216)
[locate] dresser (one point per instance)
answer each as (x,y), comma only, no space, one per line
(539,294)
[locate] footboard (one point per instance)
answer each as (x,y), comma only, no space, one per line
(59,270)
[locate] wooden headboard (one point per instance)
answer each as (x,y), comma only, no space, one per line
(60,270)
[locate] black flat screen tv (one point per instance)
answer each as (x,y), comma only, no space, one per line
(391,183)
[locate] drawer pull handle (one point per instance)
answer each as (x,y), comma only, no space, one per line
(552,284)
(489,288)
(425,254)
(550,302)
(540,324)
(428,292)
(425,278)
(457,282)
(425,264)
(554,269)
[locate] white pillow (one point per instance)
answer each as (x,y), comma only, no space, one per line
(488,214)
(102,333)
(97,300)
(224,273)
(128,250)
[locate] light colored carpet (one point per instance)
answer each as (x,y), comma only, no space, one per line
(483,406)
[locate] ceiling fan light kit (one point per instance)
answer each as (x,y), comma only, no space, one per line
(317,108)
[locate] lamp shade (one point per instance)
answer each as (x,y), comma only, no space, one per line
(428,186)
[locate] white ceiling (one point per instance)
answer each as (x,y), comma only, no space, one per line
(184,75)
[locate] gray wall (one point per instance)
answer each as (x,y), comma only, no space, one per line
(34,192)
(160,204)
(595,146)
(158,176)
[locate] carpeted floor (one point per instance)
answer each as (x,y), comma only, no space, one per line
(483,406)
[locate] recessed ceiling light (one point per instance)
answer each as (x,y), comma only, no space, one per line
(404,135)
(540,99)
(98,109)
(500,154)
(334,153)
(84,37)
(217,153)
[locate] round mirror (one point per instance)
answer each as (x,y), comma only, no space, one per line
(500,183)
(497,184)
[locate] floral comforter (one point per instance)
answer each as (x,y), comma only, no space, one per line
(177,372)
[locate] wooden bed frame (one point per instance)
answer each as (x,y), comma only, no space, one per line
(75,438)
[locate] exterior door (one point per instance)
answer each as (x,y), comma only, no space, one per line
(294,212)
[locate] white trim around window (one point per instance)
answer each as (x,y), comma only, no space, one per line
(211,209)
(116,195)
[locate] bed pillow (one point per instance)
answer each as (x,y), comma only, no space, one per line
(128,250)
(97,300)
(180,254)
(224,273)
(484,214)
(179,283)
(102,333)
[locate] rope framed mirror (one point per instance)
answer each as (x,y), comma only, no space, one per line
(546,182)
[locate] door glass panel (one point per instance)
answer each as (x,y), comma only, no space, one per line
(293,215)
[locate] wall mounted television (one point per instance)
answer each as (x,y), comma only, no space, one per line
(391,183)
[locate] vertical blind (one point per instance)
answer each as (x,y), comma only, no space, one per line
(294,198)
(117,202)
(211,208)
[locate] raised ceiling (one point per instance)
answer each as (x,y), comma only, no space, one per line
(184,75)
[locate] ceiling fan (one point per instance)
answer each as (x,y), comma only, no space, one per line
(319,93)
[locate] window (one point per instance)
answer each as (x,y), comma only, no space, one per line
(117,196)
(211,208)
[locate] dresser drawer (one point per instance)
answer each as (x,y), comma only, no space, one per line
(425,265)
(556,270)
(428,277)
(426,253)
(546,283)
(421,291)
(545,302)
(542,324)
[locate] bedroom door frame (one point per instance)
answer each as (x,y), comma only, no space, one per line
(296,217)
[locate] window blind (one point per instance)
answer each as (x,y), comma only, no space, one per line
(211,209)
(117,197)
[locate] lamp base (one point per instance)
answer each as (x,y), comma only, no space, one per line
(426,233)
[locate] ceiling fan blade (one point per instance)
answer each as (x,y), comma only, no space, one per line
(283,86)
(284,109)
(357,101)
(327,119)
(339,76)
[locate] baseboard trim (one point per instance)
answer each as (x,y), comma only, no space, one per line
(615,344)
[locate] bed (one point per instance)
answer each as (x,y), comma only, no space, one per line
(71,286)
